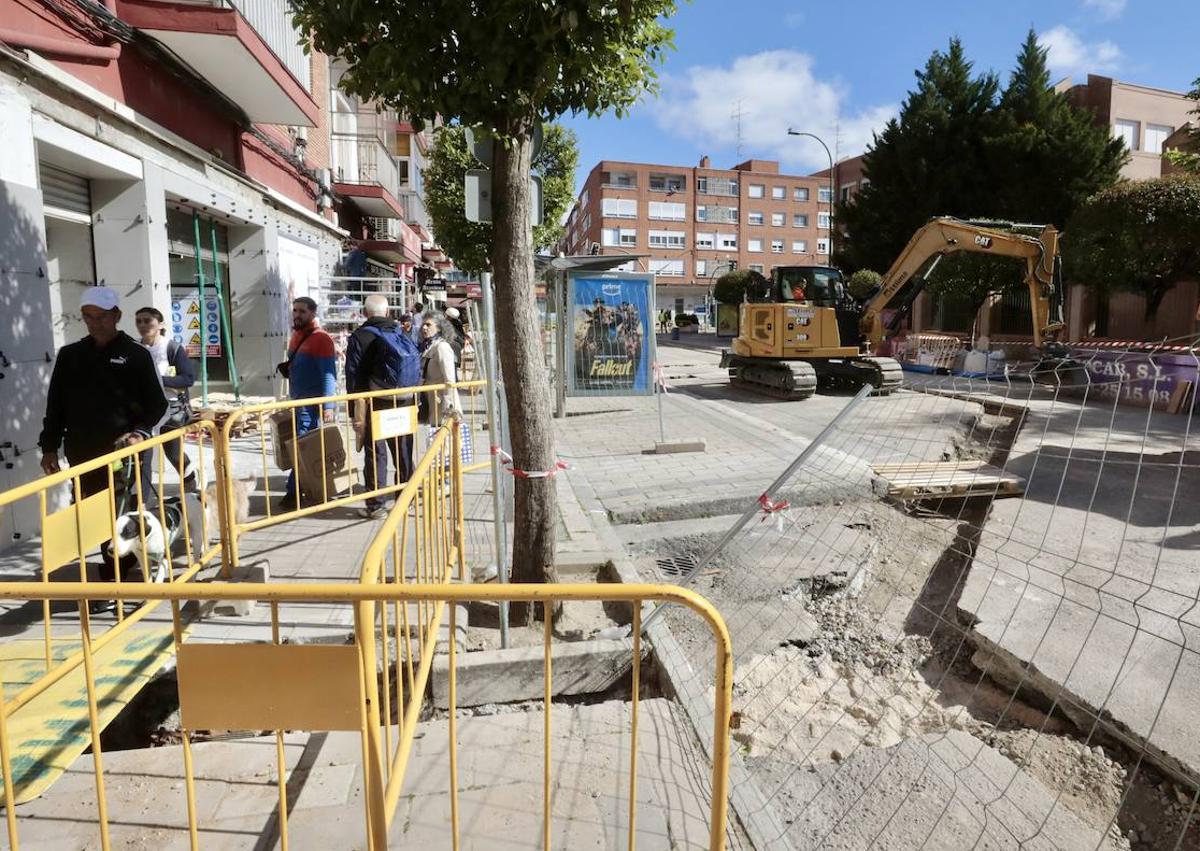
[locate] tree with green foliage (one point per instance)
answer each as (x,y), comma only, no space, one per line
(740,285)
(1137,236)
(1188,156)
(864,283)
(962,147)
(470,243)
(503,66)
(971,279)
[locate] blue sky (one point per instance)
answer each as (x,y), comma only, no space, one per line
(841,69)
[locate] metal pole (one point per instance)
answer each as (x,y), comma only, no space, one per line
(223,320)
(560,352)
(499,528)
(780,480)
(203,337)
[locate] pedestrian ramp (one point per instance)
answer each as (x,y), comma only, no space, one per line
(50,731)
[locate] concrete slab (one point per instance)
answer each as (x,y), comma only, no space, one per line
(940,792)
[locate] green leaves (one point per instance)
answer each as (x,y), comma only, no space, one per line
(963,147)
(1139,237)
(470,243)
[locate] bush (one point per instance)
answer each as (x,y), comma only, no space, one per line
(864,283)
(741,285)
(682,319)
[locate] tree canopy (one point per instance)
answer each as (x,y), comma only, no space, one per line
(1188,157)
(740,285)
(962,146)
(1137,236)
(470,243)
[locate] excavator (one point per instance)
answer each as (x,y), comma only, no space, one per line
(800,339)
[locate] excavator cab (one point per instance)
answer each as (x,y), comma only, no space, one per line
(822,285)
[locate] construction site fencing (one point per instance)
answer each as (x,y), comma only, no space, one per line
(147,523)
(966,615)
(323,464)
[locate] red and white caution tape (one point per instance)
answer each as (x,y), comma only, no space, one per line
(506,461)
(660,378)
(769,508)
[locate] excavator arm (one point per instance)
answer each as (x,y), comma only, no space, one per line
(942,236)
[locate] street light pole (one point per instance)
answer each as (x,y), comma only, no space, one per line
(792,132)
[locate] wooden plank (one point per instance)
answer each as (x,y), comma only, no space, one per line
(1179,397)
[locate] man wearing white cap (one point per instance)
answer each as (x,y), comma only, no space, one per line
(461,333)
(104,393)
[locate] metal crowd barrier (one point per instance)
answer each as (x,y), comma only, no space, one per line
(326,458)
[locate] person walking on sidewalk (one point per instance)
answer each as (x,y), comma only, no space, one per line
(381,356)
(311,371)
(175,371)
(104,394)
(437,367)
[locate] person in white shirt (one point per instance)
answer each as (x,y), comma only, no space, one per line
(176,374)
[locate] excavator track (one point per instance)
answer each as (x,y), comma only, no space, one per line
(884,373)
(793,380)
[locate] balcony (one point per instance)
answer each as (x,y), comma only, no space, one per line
(245,49)
(717,186)
(364,170)
(618,180)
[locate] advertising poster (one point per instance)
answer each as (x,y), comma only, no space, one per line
(194,327)
(611,348)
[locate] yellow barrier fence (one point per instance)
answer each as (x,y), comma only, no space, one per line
(124,507)
(323,464)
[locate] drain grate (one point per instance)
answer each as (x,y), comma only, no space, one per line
(676,565)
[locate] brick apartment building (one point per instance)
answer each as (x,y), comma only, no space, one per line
(698,222)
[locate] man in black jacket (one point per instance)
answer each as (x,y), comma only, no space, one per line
(104,393)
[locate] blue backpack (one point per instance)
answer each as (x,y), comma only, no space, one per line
(395,361)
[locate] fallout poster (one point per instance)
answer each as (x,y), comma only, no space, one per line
(612,335)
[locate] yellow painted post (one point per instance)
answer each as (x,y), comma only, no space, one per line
(364,628)
(721,719)
(457,484)
(94,718)
(10,794)
(224,489)
(189,780)
(45,578)
(279,756)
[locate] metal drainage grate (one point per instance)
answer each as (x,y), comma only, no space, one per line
(676,565)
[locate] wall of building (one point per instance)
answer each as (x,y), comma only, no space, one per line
(1113,100)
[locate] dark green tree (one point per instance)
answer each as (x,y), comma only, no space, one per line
(741,285)
(968,280)
(863,283)
(470,243)
(1137,236)
(1047,155)
(1188,156)
(503,66)
(961,147)
(929,161)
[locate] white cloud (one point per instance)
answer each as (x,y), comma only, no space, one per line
(1107,9)
(775,90)
(1069,54)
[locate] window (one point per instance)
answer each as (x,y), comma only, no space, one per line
(587,222)
(823,245)
(621,179)
(583,199)
(800,193)
(777,220)
(755,190)
(778,192)
(799,246)
(756,267)
(673,268)
(823,220)
(701,213)
(753,218)
(666,183)
(618,236)
(753,244)
(727,241)
(667,210)
(799,220)
(725,215)
(1127,131)
(701,267)
(823,195)
(1156,135)
(620,208)
(845,191)
(777,246)
(667,239)
(705,240)
(707,185)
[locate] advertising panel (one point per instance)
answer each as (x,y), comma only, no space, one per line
(611,350)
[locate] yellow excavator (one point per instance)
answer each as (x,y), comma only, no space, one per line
(801,339)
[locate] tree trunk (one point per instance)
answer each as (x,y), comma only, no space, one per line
(526,383)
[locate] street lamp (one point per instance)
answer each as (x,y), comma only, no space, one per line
(792,132)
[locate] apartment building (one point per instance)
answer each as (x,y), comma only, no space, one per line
(148,145)
(1143,116)
(697,222)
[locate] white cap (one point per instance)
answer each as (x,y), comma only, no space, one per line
(105,298)
(452,312)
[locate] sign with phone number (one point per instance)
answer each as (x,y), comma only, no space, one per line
(1137,377)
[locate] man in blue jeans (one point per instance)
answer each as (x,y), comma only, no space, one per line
(311,373)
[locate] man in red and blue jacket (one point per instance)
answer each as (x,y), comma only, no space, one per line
(312,372)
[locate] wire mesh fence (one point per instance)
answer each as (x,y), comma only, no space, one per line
(969,618)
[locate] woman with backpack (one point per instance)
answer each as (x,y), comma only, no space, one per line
(176,374)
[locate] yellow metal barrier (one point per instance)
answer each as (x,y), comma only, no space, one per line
(291,675)
(332,428)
